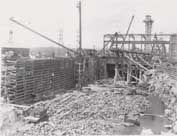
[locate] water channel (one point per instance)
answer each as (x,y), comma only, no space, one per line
(152,120)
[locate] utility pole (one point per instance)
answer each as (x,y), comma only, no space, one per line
(80,59)
(80,25)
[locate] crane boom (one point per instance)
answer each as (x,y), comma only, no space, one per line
(131,21)
(43,36)
(129,27)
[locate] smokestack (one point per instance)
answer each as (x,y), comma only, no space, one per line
(148,26)
(148,29)
(10,36)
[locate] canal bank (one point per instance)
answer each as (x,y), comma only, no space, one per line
(152,121)
(162,89)
(160,117)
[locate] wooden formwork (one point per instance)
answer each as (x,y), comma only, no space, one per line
(30,79)
(26,80)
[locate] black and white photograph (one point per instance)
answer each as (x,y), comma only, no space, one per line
(88,67)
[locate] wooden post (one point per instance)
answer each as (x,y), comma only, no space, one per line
(116,73)
(105,70)
(140,74)
(128,73)
(79,80)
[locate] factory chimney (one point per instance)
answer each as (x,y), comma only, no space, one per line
(148,29)
(10,36)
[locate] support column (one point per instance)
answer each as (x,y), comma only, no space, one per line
(116,73)
(140,74)
(128,73)
(105,70)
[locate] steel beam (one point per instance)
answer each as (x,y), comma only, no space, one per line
(139,42)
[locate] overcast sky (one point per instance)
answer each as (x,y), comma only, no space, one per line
(98,17)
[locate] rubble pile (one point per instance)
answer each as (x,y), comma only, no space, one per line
(165,86)
(86,113)
(8,118)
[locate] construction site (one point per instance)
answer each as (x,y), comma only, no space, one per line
(129,87)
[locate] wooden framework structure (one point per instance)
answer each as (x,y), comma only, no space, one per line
(131,52)
(136,43)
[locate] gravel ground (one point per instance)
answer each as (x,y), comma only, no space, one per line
(86,113)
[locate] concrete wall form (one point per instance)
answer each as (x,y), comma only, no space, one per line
(25,80)
(32,79)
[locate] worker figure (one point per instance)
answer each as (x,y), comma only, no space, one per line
(116,76)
